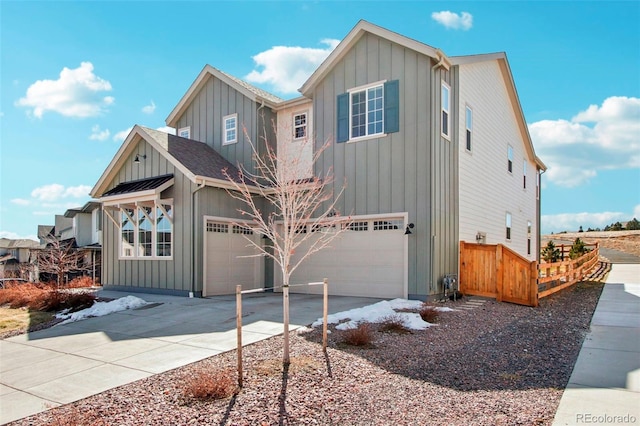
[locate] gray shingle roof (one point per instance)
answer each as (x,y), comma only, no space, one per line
(199,158)
(258,92)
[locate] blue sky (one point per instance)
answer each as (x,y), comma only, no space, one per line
(75,76)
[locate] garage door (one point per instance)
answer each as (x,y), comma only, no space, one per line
(224,264)
(368,259)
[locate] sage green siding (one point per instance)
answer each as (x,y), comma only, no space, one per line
(171,276)
(411,171)
(216,100)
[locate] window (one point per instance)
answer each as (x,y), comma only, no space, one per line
(508,223)
(184,132)
(524,174)
(469,126)
(368,111)
(510,159)
(300,125)
(528,237)
(230,129)
(146,231)
(445,101)
(537,185)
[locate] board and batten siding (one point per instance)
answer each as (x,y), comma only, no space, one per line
(298,153)
(487,190)
(156,276)
(391,174)
(216,100)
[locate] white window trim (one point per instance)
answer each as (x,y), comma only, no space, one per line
(294,127)
(360,89)
(448,111)
(136,232)
(510,159)
(524,174)
(508,225)
(185,129)
(225,130)
(468,128)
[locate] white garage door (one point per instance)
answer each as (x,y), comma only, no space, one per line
(369,259)
(224,264)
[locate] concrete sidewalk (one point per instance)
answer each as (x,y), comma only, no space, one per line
(65,363)
(604,387)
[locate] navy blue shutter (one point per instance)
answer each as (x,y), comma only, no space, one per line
(392,106)
(343,117)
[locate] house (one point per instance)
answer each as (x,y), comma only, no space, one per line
(80,227)
(434,150)
(17,258)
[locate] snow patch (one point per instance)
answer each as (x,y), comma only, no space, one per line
(377,312)
(100,309)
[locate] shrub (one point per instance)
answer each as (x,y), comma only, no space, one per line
(578,249)
(551,253)
(361,335)
(210,385)
(429,313)
(394,324)
(81,282)
(43,298)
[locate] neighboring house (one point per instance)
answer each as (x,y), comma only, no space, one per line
(17,258)
(82,228)
(434,150)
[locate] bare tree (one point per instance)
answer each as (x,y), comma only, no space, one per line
(302,217)
(60,258)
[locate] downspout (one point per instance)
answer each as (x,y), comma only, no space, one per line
(258,128)
(434,134)
(539,214)
(193,239)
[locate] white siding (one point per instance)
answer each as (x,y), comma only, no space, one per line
(487,190)
(300,151)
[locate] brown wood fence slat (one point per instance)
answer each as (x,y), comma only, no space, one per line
(494,270)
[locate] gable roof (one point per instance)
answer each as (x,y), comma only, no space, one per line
(361,28)
(248,90)
(196,160)
(507,76)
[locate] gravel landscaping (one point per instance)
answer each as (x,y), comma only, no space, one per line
(498,363)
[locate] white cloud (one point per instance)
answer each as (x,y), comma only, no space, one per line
(122,135)
(54,192)
(149,109)
(574,151)
(99,135)
(453,21)
(76,93)
(167,129)
(20,201)
(573,221)
(286,68)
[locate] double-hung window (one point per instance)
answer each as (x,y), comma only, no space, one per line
(445,102)
(368,111)
(230,129)
(469,126)
(510,159)
(300,125)
(508,226)
(524,174)
(528,237)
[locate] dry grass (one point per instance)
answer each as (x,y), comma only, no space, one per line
(362,335)
(206,385)
(21,320)
(393,324)
(429,313)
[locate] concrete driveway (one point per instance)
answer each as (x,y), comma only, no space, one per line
(65,363)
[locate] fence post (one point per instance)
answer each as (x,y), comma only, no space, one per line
(325,312)
(239,331)
(533,283)
(499,272)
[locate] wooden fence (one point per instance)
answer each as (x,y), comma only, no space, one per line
(560,275)
(493,270)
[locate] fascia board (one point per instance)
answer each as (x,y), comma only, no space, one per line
(113,167)
(354,35)
(225,184)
